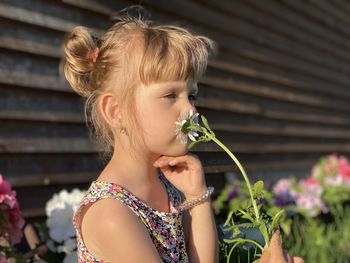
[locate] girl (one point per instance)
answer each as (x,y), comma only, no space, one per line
(137,79)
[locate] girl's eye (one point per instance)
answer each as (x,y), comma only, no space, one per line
(193,97)
(171,96)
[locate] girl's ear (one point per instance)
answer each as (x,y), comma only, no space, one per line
(110,109)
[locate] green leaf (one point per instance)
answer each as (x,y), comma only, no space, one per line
(247,225)
(228,218)
(272,211)
(246,215)
(276,219)
(205,122)
(258,189)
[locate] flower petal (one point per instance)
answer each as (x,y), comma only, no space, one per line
(191,137)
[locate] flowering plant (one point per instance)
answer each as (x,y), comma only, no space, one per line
(327,187)
(250,216)
(316,222)
(58,233)
(11,224)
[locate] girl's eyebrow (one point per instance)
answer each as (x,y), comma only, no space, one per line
(181,87)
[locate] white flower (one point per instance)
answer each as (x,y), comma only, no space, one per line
(60,209)
(181,124)
(59,200)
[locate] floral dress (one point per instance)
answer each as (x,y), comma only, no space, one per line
(165,229)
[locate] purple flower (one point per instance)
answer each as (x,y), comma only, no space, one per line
(233,193)
(283,199)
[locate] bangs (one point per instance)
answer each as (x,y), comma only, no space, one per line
(172,53)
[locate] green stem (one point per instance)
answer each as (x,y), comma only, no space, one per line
(256,211)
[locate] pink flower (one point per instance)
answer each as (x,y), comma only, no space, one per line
(11,230)
(7,196)
(283,185)
(311,185)
(344,169)
(3,258)
(16,223)
(312,204)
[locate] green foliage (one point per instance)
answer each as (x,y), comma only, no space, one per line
(244,236)
(258,190)
(321,240)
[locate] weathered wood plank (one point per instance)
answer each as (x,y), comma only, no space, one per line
(91,5)
(42,145)
(34,81)
(38,19)
(250,109)
(287,130)
(53,179)
(274,94)
(42,116)
(29,47)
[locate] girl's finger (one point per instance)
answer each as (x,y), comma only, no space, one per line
(297,260)
(276,248)
(265,257)
(188,158)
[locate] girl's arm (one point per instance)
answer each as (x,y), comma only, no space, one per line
(111,231)
(201,234)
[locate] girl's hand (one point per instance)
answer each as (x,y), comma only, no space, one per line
(275,254)
(185,173)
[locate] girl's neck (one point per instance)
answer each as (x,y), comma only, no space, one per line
(128,172)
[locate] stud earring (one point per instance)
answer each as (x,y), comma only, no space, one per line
(122,130)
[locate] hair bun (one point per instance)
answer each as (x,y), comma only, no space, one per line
(79,48)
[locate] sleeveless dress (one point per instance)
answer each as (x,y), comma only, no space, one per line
(165,229)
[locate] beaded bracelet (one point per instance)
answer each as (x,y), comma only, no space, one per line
(187,205)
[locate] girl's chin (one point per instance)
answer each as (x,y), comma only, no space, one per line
(180,149)
(184,149)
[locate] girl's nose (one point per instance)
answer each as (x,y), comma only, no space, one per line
(190,106)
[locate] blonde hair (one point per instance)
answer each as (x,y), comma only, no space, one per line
(131,52)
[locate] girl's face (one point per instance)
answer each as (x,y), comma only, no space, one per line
(159,106)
